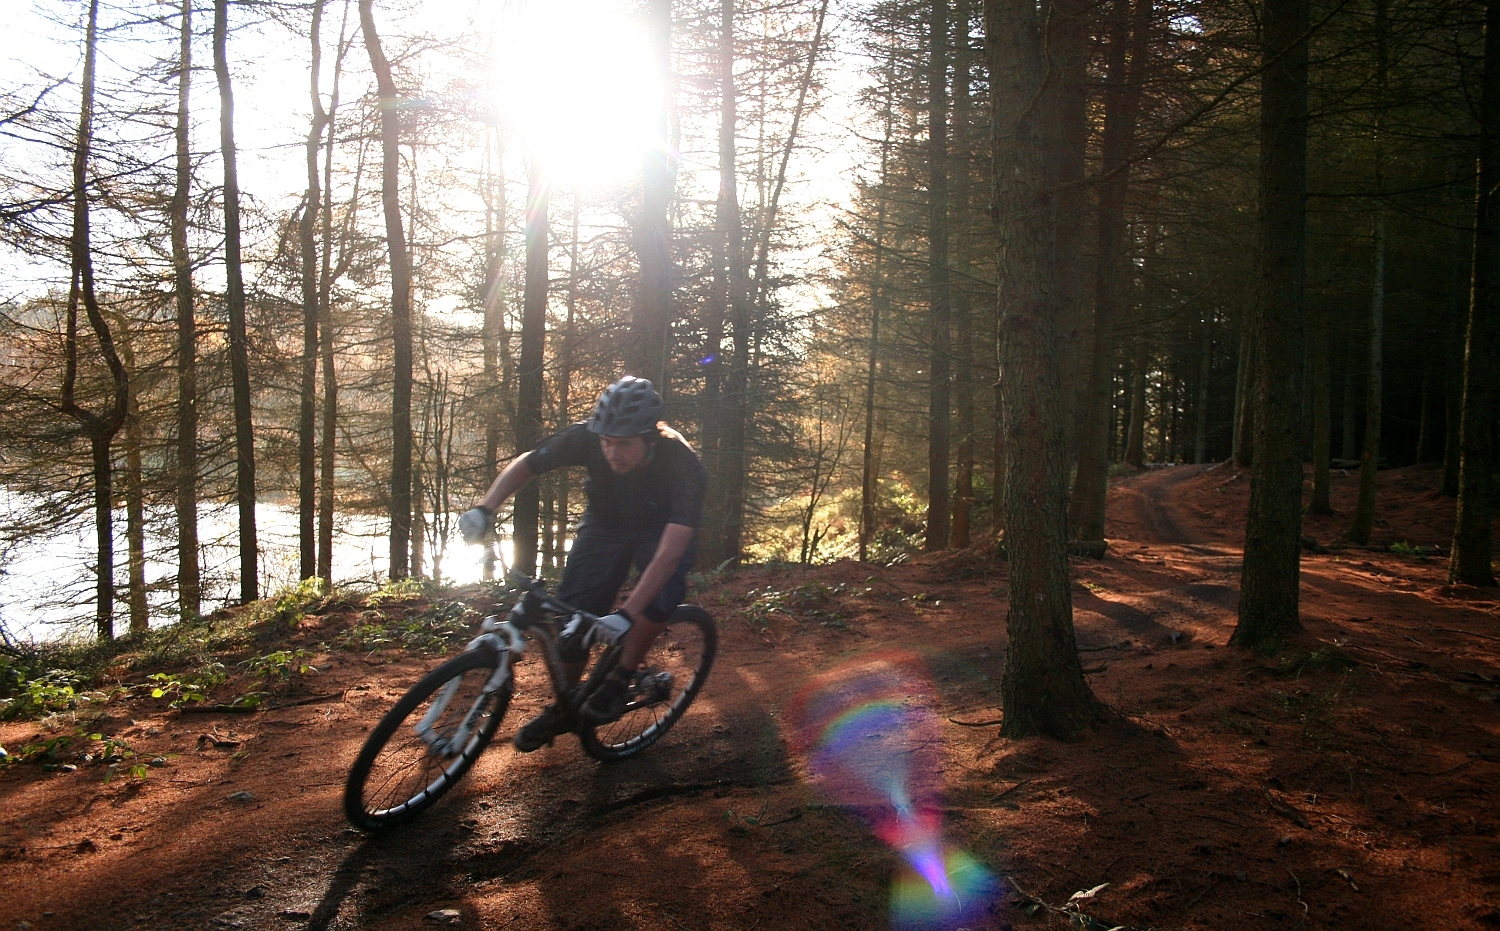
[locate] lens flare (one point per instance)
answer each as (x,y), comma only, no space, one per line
(872,742)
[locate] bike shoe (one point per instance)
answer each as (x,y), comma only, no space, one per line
(609,700)
(539,731)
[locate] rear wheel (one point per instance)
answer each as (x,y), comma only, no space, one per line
(426,742)
(666,683)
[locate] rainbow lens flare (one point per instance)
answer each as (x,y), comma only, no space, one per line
(872,742)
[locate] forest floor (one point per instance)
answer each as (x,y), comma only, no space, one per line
(1350,782)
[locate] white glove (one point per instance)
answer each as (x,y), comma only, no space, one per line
(609,629)
(474,524)
(606,630)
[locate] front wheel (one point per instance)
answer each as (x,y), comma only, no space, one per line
(661,690)
(426,743)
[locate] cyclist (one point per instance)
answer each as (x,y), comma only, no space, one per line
(645,500)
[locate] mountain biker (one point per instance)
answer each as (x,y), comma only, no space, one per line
(645,500)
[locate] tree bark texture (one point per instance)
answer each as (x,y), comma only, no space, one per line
(1363,521)
(1067,27)
(327,453)
(1471,560)
(307,407)
(1205,372)
(493,192)
(1242,452)
(1321,394)
(1125,59)
(728,374)
(961,147)
(1135,431)
(527,511)
(1270,578)
(1043,690)
(869,477)
(239,349)
(135,495)
(189,576)
(653,232)
(99,427)
(939,286)
(401,337)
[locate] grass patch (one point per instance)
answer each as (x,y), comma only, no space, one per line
(434,630)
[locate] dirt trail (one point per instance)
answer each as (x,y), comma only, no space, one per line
(1143,507)
(1347,783)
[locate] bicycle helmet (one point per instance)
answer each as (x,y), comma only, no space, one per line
(629,407)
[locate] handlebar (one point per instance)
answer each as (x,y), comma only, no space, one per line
(536,596)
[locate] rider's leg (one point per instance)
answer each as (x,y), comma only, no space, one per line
(638,642)
(646,629)
(597,564)
(611,699)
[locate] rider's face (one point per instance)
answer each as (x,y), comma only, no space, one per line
(624,453)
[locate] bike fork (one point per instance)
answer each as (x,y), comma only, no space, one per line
(453,742)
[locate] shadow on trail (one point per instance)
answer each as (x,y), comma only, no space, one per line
(1132,619)
(1224,842)
(569,828)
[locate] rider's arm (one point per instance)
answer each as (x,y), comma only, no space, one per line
(669,552)
(507,483)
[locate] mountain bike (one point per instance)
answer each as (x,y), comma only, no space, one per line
(437,730)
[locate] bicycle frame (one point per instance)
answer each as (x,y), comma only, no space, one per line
(507,638)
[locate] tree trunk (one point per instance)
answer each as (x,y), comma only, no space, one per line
(1269,581)
(1453,392)
(1425,432)
(1322,412)
(1348,443)
(724,443)
(1200,414)
(395,234)
(1364,510)
(963,304)
(493,191)
(565,373)
(189,579)
(1470,562)
(1043,690)
(528,425)
(940,296)
(869,478)
(1067,41)
(1369,462)
(417,563)
(647,355)
(100,428)
(135,496)
(1125,65)
(239,350)
(963,383)
(744,332)
(307,408)
(327,454)
(1135,433)
(1243,453)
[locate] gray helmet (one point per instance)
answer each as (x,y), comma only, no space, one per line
(629,407)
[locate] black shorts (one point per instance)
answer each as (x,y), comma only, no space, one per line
(600,561)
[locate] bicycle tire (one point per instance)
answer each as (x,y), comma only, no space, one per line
(397,774)
(685,650)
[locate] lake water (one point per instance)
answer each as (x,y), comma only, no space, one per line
(47,584)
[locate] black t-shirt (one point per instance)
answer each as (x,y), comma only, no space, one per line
(668,489)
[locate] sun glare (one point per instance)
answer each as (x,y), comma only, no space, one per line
(575,81)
